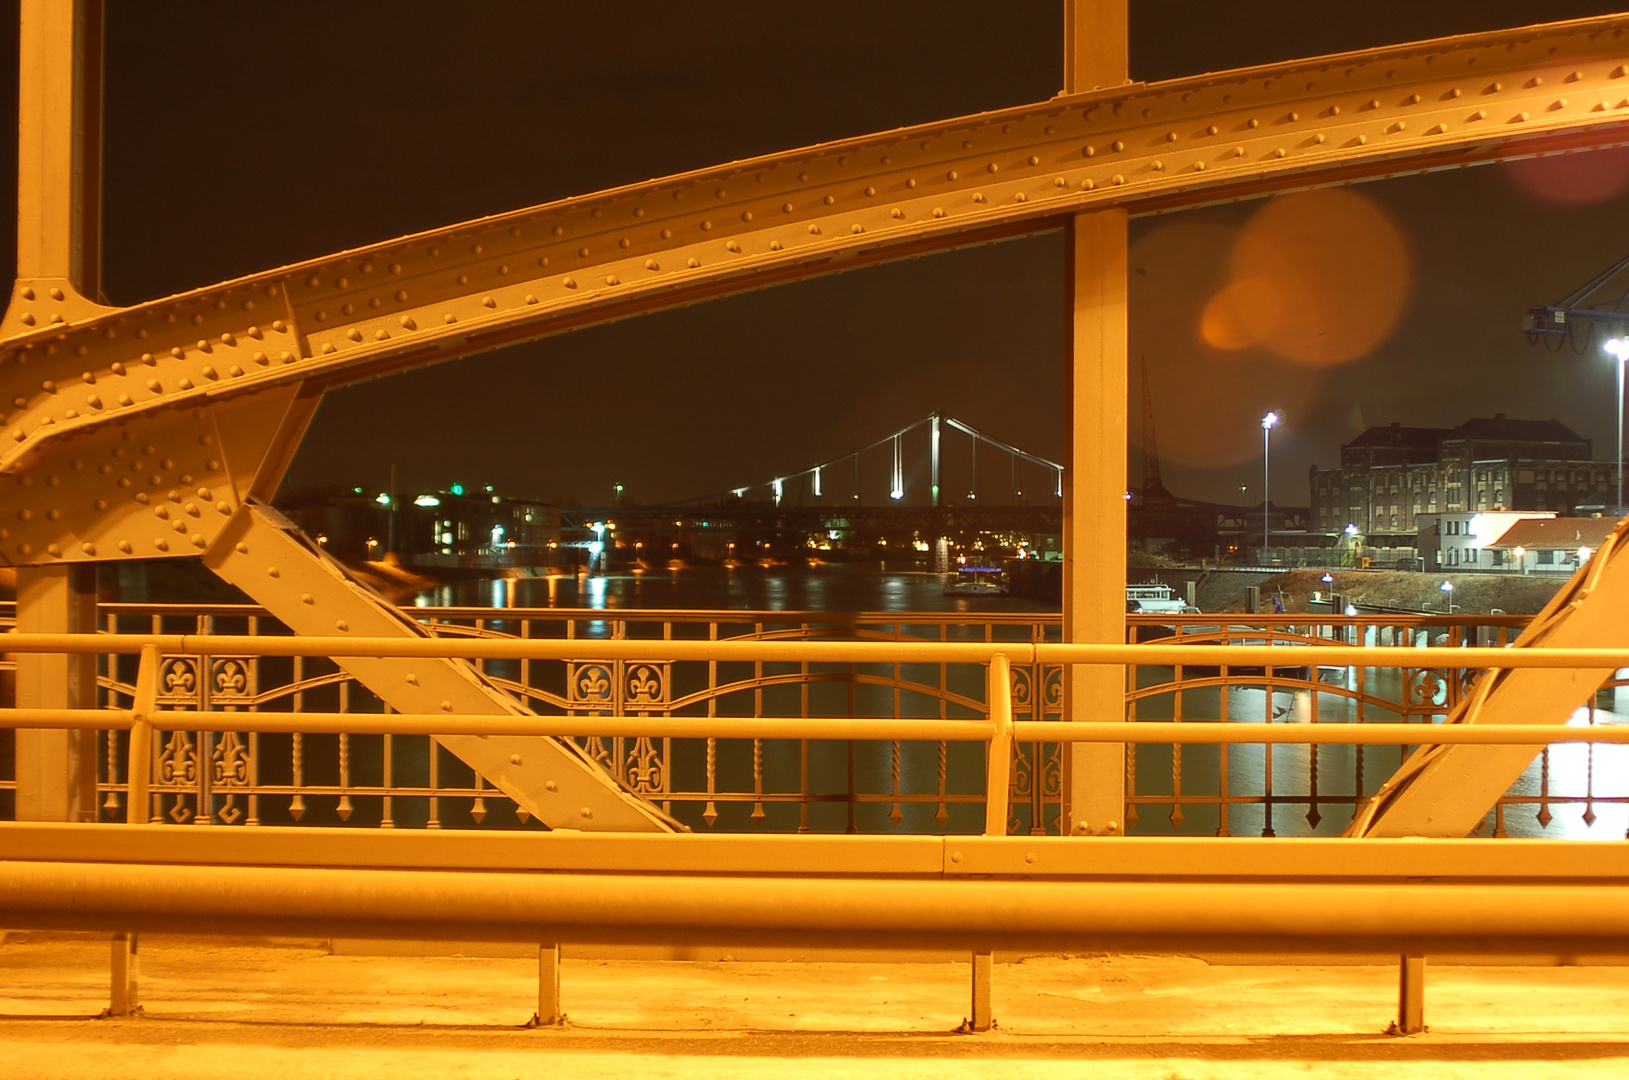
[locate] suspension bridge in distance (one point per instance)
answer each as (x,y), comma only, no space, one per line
(937,491)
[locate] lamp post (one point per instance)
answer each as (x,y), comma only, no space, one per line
(1267,423)
(1521,558)
(1448,587)
(1618,348)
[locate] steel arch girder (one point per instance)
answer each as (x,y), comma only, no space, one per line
(70,366)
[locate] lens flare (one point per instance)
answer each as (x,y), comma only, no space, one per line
(1577,179)
(1318,277)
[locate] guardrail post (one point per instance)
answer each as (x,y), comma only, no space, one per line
(139,754)
(122,997)
(548,987)
(981,1018)
(1410,996)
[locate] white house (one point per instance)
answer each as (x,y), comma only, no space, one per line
(1457,540)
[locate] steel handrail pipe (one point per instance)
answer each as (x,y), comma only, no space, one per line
(836,728)
(742,909)
(878,652)
(672,727)
(1340,734)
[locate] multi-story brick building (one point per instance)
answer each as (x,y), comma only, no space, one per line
(1388,476)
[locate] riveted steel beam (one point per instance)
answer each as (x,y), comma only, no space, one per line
(1336,119)
(1448,790)
(550,778)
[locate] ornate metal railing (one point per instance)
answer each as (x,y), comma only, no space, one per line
(239,776)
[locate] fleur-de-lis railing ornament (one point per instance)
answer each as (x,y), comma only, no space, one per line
(230,762)
(178,764)
(592,684)
(645,686)
(644,773)
(180,677)
(231,678)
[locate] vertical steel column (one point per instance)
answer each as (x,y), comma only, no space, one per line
(548,987)
(1094,557)
(59,143)
(59,137)
(1410,996)
(56,769)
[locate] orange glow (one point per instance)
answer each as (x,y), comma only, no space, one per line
(1243,314)
(1319,277)
(1577,179)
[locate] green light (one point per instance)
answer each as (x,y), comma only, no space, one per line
(457,489)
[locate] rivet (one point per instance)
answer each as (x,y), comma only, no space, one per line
(448,318)
(28,293)
(1373,103)
(692,262)
(117,368)
(463,279)
(1438,129)
(707,226)
(530,299)
(446,706)
(178,352)
(185,384)
(307,598)
(1158,166)
(1088,184)
(28,319)
(162,544)
(148,359)
(487,301)
(1117,179)
(732,246)
(955,856)
(412,679)
(198,540)
(587,813)
(287,357)
(271,571)
(1280,152)
(549,785)
(125,546)
(1453,93)
(51,549)
(612,279)
(1519,117)
(209,372)
(1559,103)
(814,230)
(1199,166)
(514,759)
(1535,82)
(56,294)
(1117,146)
(234,371)
(1238,151)
(153,385)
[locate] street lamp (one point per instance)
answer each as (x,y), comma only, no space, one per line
(1618,348)
(1448,587)
(1267,423)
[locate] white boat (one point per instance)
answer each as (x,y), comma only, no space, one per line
(977,581)
(1155,598)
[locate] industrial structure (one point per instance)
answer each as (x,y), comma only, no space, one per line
(160,430)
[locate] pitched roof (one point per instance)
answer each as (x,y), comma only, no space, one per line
(1565,533)
(1501,427)
(1396,435)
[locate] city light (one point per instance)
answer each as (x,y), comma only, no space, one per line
(1618,348)
(382,499)
(457,489)
(1448,588)
(1268,422)
(426,500)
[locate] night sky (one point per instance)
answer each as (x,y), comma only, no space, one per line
(242,136)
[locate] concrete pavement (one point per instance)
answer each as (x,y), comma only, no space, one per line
(224,1010)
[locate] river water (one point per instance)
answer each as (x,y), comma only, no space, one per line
(1602,771)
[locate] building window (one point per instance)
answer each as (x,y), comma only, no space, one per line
(1545,558)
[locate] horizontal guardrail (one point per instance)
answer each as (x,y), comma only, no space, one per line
(998,731)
